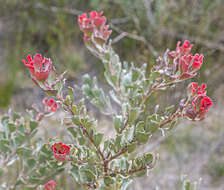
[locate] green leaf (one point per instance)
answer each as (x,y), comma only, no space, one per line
(75,109)
(87,91)
(148,158)
(34,180)
(131,147)
(31,163)
(72,131)
(186,185)
(19,139)
(11,127)
(129,133)
(33,125)
(117,120)
(87,79)
(75,173)
(4,145)
(140,126)
(23,151)
(75,120)
(133,114)
(118,141)
(22,129)
(86,176)
(98,138)
(153,76)
(135,75)
(151,124)
(71,94)
(142,137)
(81,140)
(125,184)
(108,180)
(51,92)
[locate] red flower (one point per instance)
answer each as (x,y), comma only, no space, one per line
(185,65)
(61,151)
(192,87)
(94,27)
(50,185)
(50,105)
(200,102)
(39,67)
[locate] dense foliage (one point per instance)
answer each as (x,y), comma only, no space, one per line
(94,161)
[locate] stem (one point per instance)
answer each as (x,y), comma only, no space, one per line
(87,134)
(156,88)
(172,117)
(117,155)
(125,125)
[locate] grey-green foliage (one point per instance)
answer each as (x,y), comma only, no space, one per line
(25,161)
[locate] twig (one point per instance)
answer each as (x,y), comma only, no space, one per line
(117,155)
(125,125)
(157,87)
(171,118)
(87,133)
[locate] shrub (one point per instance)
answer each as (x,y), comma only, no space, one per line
(94,161)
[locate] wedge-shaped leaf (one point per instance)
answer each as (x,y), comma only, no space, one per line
(33,125)
(75,120)
(117,122)
(125,184)
(75,173)
(4,145)
(131,147)
(71,94)
(23,151)
(11,127)
(141,137)
(140,126)
(72,131)
(31,163)
(148,158)
(86,176)
(108,180)
(98,139)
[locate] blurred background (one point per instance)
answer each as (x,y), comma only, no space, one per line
(142,31)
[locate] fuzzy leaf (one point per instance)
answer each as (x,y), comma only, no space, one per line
(98,138)
(71,94)
(108,180)
(72,131)
(142,137)
(86,176)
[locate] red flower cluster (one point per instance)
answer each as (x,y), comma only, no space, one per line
(94,27)
(39,66)
(200,102)
(49,105)
(50,185)
(61,151)
(185,65)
